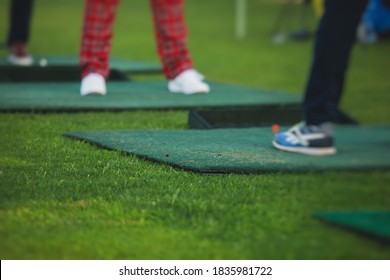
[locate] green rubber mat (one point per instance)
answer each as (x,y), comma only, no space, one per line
(373,223)
(246,150)
(56,97)
(252,116)
(66,68)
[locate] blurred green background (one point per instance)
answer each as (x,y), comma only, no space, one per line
(63,199)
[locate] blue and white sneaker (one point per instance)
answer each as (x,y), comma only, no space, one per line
(316,140)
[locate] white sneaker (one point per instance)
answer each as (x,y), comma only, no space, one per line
(93,84)
(19,55)
(188,82)
(20,61)
(198,75)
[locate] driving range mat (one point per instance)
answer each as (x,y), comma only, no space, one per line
(252,116)
(66,68)
(126,95)
(373,223)
(246,150)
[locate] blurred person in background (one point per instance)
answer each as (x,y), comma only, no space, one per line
(375,22)
(18,33)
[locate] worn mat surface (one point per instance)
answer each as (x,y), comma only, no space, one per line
(374,223)
(246,150)
(125,95)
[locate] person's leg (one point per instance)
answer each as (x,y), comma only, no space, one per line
(18,33)
(334,39)
(96,40)
(19,21)
(171,38)
(335,36)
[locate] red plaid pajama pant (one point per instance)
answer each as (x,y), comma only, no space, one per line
(170,34)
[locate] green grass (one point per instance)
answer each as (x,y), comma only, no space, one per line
(64,199)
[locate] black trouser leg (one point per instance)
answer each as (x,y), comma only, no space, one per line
(19,21)
(334,38)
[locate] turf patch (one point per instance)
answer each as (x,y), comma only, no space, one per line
(246,150)
(373,223)
(66,68)
(57,97)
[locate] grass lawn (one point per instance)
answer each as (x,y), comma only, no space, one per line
(63,199)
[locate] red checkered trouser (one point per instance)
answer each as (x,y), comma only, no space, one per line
(170,34)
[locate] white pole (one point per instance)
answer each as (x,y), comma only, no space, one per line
(241,18)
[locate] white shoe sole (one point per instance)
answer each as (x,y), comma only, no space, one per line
(93,93)
(307,151)
(202,89)
(21,61)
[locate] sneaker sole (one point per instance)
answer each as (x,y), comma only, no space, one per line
(95,93)
(189,93)
(307,151)
(175,89)
(25,61)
